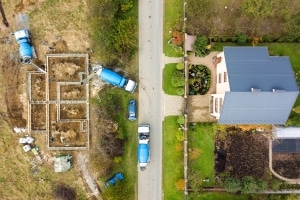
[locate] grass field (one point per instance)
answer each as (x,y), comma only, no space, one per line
(172,160)
(168,72)
(173,18)
(201,154)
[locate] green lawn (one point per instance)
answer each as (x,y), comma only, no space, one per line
(173,160)
(168,72)
(286,49)
(173,17)
(201,154)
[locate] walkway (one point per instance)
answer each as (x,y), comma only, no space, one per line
(82,160)
(174,105)
(169,60)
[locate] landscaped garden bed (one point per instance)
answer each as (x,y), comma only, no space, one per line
(199,79)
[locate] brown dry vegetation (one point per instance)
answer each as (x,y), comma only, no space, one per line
(21,177)
(287,164)
(231,17)
(246,154)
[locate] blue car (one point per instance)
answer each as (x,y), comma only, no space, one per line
(112,181)
(132,110)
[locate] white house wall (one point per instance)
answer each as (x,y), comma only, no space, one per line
(222,86)
(222,76)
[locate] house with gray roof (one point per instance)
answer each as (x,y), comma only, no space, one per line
(253,87)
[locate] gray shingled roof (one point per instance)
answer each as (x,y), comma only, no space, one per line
(252,67)
(257,107)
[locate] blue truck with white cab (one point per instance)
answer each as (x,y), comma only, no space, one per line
(143,146)
(112,77)
(116,79)
(26,49)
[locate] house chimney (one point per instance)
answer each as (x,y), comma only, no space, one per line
(255,90)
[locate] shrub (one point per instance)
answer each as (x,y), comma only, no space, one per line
(177,38)
(274,184)
(108,103)
(127,6)
(232,185)
(249,185)
(255,40)
(179,147)
(267,38)
(261,184)
(293,121)
(180,119)
(298,39)
(114,31)
(179,136)
(180,91)
(224,39)
(177,79)
(242,39)
(296,109)
(180,66)
(290,37)
(216,39)
(280,39)
(194,153)
(111,145)
(200,46)
(180,184)
(117,159)
(234,39)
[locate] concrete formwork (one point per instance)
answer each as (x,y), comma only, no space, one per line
(59,104)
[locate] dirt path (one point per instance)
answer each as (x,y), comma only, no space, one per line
(82,160)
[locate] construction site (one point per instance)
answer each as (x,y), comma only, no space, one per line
(58,105)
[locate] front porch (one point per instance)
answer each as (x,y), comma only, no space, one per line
(216,104)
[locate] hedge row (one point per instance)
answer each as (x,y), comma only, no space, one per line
(243,39)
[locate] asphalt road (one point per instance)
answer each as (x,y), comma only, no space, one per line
(150,93)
